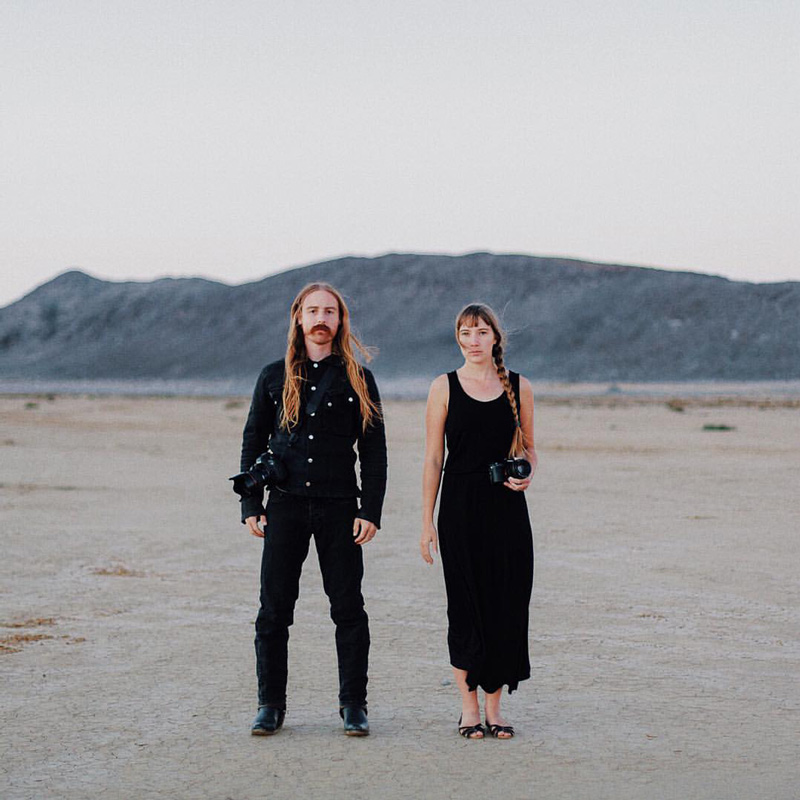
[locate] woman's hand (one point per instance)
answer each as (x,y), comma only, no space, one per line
(429,537)
(521,484)
(518,484)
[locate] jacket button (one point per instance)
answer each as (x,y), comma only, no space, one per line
(310,435)
(313,388)
(349,399)
(330,404)
(312,414)
(316,365)
(308,483)
(310,460)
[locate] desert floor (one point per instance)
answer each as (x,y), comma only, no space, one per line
(665,635)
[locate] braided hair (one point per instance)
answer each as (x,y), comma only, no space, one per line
(471,315)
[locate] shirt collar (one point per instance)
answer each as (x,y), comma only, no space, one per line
(333,360)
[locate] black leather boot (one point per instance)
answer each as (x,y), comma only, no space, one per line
(268,721)
(355,720)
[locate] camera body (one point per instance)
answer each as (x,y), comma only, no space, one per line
(501,471)
(268,470)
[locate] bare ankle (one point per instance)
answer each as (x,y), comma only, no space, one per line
(493,712)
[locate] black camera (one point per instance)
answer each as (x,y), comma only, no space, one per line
(267,471)
(500,471)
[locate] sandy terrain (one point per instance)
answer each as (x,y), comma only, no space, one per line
(665,635)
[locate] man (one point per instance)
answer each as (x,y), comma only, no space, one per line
(309,411)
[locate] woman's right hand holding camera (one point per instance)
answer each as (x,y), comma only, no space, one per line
(429,537)
(252,525)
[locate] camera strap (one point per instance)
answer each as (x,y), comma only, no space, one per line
(322,386)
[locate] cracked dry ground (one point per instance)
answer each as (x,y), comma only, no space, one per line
(664,622)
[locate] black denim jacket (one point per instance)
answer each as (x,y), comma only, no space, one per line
(318,453)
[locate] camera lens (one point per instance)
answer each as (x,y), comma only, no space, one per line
(244,484)
(519,468)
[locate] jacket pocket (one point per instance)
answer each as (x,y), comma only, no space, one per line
(340,412)
(275,391)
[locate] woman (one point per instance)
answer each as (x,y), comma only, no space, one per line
(486,415)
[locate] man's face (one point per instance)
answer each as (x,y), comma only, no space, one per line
(319,317)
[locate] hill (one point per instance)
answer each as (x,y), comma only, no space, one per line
(568,320)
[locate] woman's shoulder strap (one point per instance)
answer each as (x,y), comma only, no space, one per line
(457,393)
(453,382)
(514,378)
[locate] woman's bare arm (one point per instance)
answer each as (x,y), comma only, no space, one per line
(526,420)
(435,417)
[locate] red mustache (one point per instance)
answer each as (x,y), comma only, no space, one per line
(321,327)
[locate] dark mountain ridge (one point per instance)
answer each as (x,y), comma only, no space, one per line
(568,320)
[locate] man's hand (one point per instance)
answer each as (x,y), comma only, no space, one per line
(252,525)
(363,530)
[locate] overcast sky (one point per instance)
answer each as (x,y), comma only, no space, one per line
(232,139)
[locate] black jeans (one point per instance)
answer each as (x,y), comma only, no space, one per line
(291,522)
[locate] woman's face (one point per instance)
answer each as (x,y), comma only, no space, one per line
(476,339)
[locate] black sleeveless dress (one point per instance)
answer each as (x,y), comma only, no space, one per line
(486,545)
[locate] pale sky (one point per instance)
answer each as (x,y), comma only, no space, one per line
(232,139)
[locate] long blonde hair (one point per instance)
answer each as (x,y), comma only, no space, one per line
(343,345)
(470,315)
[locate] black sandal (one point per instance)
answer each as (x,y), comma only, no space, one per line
(496,730)
(470,731)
